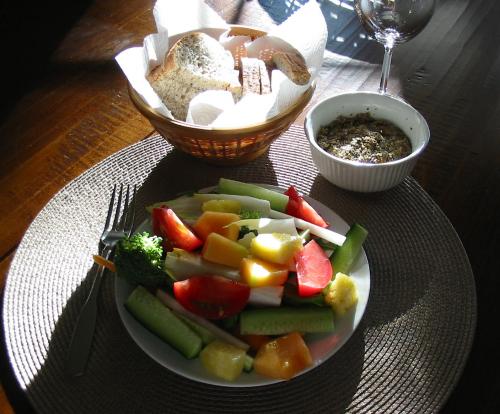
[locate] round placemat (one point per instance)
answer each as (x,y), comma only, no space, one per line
(406,355)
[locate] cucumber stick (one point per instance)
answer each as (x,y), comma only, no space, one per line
(345,255)
(278,321)
(205,335)
(149,310)
(278,201)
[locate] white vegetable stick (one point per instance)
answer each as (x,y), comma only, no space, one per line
(247,202)
(326,234)
(182,265)
(269,225)
(266,296)
(175,306)
(246,240)
(182,203)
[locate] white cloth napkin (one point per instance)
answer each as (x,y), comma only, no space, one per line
(305,31)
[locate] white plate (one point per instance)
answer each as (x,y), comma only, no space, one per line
(322,346)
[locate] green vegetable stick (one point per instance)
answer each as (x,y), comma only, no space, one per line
(278,201)
(345,255)
(205,335)
(248,364)
(278,321)
(148,310)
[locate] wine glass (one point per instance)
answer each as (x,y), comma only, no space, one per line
(392,22)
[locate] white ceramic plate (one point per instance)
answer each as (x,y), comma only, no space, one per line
(322,346)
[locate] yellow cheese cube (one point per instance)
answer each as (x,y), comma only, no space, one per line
(276,247)
(255,272)
(341,294)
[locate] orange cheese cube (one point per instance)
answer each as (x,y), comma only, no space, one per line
(220,249)
(283,357)
(217,222)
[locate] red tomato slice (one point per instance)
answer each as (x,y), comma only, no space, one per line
(213,297)
(314,270)
(166,224)
(293,194)
(300,208)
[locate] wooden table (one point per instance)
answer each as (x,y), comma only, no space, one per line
(67,108)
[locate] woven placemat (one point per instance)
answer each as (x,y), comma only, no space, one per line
(406,355)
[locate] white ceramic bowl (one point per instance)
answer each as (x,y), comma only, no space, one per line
(364,177)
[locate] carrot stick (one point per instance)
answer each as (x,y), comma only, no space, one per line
(101,261)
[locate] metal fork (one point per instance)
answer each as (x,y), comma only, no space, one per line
(83,332)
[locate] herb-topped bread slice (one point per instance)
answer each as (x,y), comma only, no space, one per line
(194,64)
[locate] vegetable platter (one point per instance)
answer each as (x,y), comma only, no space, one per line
(276,289)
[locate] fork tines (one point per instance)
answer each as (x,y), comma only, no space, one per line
(123,196)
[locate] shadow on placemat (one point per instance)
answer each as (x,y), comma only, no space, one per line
(122,378)
(406,354)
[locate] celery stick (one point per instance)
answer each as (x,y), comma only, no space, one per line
(246,240)
(266,296)
(278,321)
(326,234)
(305,235)
(148,310)
(278,201)
(267,225)
(181,264)
(345,255)
(186,207)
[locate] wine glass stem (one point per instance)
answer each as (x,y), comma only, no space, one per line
(386,66)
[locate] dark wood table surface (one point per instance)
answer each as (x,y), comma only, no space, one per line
(65,107)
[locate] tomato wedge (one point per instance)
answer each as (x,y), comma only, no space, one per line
(300,208)
(314,270)
(167,225)
(212,296)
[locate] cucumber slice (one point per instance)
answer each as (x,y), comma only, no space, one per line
(148,310)
(345,255)
(278,200)
(278,321)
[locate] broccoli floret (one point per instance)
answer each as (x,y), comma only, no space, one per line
(138,259)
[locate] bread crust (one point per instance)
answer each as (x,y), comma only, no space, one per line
(195,63)
(254,76)
(265,80)
(293,65)
(250,76)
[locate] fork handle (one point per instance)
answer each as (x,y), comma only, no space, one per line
(83,332)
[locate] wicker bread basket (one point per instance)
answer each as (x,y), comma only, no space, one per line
(224,146)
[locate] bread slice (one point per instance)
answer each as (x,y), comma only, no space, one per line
(195,63)
(254,76)
(293,65)
(265,80)
(250,76)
